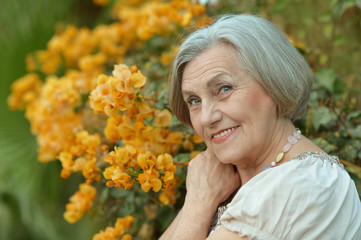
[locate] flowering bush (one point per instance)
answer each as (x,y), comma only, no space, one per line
(109,121)
(96,100)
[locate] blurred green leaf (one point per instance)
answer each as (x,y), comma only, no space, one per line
(355,132)
(325,17)
(323,116)
(354,115)
(327,30)
(326,78)
(181,158)
(280,5)
(339,39)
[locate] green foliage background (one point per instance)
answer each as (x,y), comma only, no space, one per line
(33,196)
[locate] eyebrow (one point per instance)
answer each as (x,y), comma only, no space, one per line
(210,83)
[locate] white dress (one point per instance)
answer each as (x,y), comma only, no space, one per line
(308,197)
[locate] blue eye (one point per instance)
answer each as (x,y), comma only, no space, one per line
(224,89)
(193,101)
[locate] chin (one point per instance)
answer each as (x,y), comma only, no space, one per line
(226,159)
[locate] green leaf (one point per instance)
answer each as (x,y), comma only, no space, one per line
(119,192)
(354,115)
(326,17)
(323,116)
(356,132)
(280,5)
(327,30)
(181,158)
(339,39)
(104,195)
(326,78)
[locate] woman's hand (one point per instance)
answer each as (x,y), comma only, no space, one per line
(209,180)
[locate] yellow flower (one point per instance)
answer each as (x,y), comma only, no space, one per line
(122,156)
(80,202)
(148,181)
(121,72)
(186,19)
(108,234)
(196,139)
(169,191)
(146,161)
(111,131)
(164,161)
(49,60)
(116,92)
(117,177)
(162,118)
(79,164)
(127,237)
(91,171)
(66,160)
(113,233)
(137,79)
(88,63)
(188,145)
(24,90)
(123,224)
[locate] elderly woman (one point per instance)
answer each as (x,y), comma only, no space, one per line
(239,84)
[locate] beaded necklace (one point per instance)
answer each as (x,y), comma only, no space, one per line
(291,140)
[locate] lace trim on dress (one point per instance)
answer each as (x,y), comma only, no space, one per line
(321,155)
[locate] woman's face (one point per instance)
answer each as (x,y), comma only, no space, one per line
(228,108)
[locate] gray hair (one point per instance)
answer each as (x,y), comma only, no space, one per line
(263,51)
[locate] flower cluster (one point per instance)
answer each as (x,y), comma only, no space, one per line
(84,150)
(159,18)
(80,202)
(117,92)
(114,233)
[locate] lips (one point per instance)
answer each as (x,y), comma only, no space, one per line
(223,135)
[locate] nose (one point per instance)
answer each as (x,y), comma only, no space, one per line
(210,113)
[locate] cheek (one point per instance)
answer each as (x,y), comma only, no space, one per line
(260,102)
(196,124)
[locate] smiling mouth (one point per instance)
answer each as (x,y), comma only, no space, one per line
(221,134)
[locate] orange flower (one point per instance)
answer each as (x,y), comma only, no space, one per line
(80,202)
(196,139)
(150,178)
(119,179)
(66,160)
(108,234)
(162,118)
(91,171)
(113,233)
(169,191)
(165,162)
(24,90)
(137,79)
(148,181)
(116,92)
(123,224)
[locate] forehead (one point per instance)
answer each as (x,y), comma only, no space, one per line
(216,61)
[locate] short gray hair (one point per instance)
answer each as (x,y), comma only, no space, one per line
(263,51)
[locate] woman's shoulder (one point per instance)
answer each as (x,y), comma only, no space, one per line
(311,175)
(309,168)
(311,194)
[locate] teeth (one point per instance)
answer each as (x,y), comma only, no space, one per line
(223,133)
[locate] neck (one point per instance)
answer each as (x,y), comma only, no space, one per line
(276,139)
